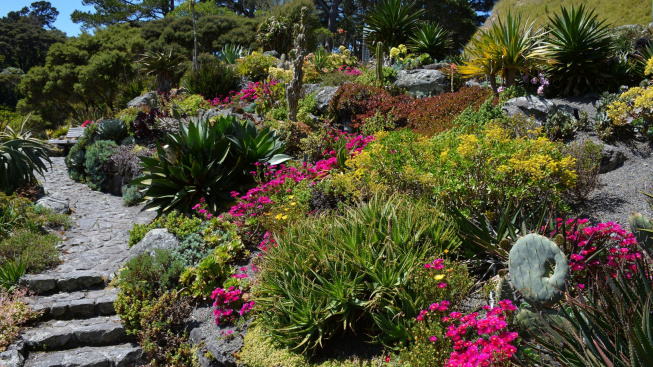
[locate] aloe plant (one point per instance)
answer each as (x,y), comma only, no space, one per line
(21,157)
(206,161)
(229,53)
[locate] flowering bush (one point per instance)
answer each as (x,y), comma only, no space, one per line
(633,108)
(228,304)
(87,122)
(255,66)
(14,312)
(481,342)
(592,247)
(469,171)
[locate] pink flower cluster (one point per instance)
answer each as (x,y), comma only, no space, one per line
(87,122)
(606,243)
(347,70)
(481,342)
(268,240)
(253,202)
(226,301)
(252,92)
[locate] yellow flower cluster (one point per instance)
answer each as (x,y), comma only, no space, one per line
(398,52)
(468,145)
(635,103)
(280,74)
(649,67)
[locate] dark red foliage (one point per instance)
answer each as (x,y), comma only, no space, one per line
(428,116)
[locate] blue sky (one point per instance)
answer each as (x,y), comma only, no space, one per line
(65,8)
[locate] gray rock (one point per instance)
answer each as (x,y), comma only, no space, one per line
(323,95)
(56,205)
(78,280)
(530,106)
(154,239)
(39,283)
(57,334)
(611,158)
(272,53)
(214,112)
(148,99)
(124,355)
(11,358)
(209,336)
(472,83)
(422,81)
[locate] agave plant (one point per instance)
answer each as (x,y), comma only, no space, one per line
(112,129)
(610,326)
(206,161)
(21,157)
(577,49)
(392,22)
(432,39)
(163,65)
(230,53)
(320,57)
(506,48)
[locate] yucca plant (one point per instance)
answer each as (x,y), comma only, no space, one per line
(392,22)
(206,160)
(506,48)
(609,326)
(432,39)
(577,49)
(320,57)
(350,273)
(163,65)
(230,53)
(21,157)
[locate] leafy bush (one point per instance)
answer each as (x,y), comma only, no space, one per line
(131,195)
(578,46)
(587,157)
(632,110)
(206,162)
(38,250)
(11,272)
(212,79)
(333,275)
(474,172)
(432,115)
(560,125)
(230,53)
(99,165)
(255,66)
(112,129)
(178,224)
(193,103)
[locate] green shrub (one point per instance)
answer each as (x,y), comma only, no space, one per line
(560,125)
(37,249)
(21,158)
(334,275)
(587,158)
(14,313)
(191,250)
(255,66)
(131,195)
(112,129)
(99,165)
(431,39)
(212,79)
(178,224)
(193,103)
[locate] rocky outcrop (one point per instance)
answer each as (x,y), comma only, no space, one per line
(422,81)
(158,238)
(148,99)
(530,106)
(323,95)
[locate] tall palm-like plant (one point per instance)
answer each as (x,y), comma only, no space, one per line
(21,157)
(230,53)
(506,48)
(392,22)
(432,39)
(577,49)
(163,65)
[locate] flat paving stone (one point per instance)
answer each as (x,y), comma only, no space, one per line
(123,355)
(59,334)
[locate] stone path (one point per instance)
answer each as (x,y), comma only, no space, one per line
(79,327)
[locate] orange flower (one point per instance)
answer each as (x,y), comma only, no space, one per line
(340,30)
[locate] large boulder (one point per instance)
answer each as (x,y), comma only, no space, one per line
(530,106)
(611,158)
(272,53)
(323,95)
(422,81)
(158,238)
(11,358)
(58,206)
(148,99)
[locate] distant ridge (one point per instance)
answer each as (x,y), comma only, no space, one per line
(617,12)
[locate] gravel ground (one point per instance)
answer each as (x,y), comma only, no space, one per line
(620,193)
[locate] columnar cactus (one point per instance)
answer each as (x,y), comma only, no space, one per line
(642,228)
(379,61)
(530,266)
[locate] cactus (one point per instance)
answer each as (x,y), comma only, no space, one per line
(642,228)
(379,61)
(530,264)
(115,130)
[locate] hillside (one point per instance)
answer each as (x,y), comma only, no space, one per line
(617,12)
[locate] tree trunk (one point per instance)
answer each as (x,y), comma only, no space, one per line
(332,19)
(195,65)
(493,83)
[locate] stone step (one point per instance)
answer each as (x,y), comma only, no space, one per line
(73,281)
(75,305)
(59,334)
(124,355)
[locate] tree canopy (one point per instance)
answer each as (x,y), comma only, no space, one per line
(109,12)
